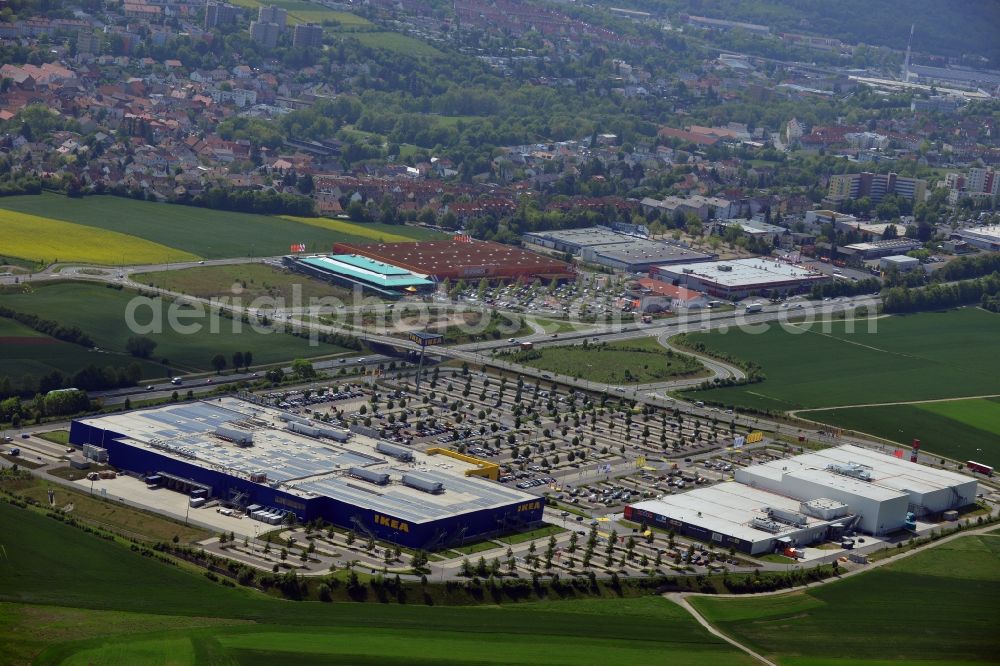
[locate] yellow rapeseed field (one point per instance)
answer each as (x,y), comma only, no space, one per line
(352,228)
(46,241)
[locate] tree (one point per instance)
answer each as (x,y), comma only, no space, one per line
(247,359)
(219,363)
(140,346)
(237,360)
(303,369)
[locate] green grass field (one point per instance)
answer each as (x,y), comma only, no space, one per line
(631,362)
(300,11)
(960,429)
(194,232)
(938,606)
(24,351)
(396,42)
(252,281)
(51,570)
(101,312)
(916,357)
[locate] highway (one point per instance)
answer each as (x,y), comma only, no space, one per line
(488,352)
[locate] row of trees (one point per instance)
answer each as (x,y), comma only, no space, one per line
(939,296)
(60,403)
(969,267)
(49,327)
(248,201)
(240,360)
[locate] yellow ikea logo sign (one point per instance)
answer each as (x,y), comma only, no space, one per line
(530,506)
(391,523)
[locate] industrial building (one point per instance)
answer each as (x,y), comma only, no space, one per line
(740,278)
(800,500)
(880,248)
(757,229)
(463,258)
(733,515)
(986,237)
(624,252)
(350,270)
(268,464)
(880,489)
(899,262)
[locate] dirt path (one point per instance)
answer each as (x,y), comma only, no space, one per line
(889,404)
(681,598)
(678,598)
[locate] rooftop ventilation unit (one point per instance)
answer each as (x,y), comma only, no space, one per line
(766,525)
(234,435)
(303,429)
(425,485)
(853,470)
(396,452)
(334,433)
(378,478)
(784,516)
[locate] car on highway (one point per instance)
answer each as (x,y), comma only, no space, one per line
(149,387)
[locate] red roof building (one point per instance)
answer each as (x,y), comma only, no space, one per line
(457,259)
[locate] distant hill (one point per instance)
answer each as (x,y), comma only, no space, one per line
(954,29)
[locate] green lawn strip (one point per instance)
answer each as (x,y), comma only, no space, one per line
(477,547)
(56,436)
(108,513)
(540,533)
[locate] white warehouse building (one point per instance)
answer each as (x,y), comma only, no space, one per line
(795,502)
(732,515)
(879,489)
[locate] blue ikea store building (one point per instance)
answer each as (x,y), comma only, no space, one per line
(269,463)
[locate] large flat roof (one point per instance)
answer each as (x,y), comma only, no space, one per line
(367,270)
(890,476)
(582,237)
(471,258)
(302,465)
(989,232)
(642,251)
(727,508)
(743,272)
